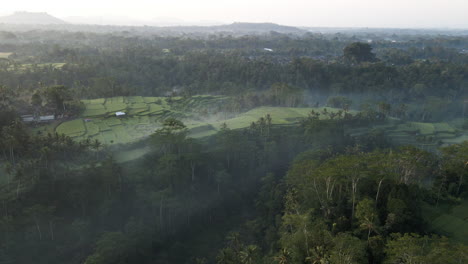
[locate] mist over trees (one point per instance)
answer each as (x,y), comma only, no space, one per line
(328,187)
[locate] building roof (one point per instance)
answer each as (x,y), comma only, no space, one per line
(27,118)
(46,118)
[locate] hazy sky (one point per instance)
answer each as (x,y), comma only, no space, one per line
(349,13)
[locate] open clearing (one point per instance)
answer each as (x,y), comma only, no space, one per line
(145,114)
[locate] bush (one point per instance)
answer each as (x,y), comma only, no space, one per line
(339,102)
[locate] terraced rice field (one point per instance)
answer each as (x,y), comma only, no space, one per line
(425,135)
(74,128)
(279,115)
(144,116)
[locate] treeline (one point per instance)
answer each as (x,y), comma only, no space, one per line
(99,65)
(136,73)
(43,43)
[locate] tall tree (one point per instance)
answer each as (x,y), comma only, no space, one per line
(358,52)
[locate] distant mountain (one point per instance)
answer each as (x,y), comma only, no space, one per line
(23,21)
(239,28)
(127,21)
(105,20)
(31,18)
(172,21)
(260,27)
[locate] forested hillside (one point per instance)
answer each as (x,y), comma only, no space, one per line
(232,148)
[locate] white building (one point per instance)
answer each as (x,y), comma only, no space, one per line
(46,118)
(27,118)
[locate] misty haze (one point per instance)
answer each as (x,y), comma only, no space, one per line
(248,132)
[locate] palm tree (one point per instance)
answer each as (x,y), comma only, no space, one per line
(234,241)
(45,151)
(96,145)
(249,254)
(9,169)
(284,257)
(268,123)
(367,215)
(225,256)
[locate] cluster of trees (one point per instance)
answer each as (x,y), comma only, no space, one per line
(70,202)
(292,194)
(208,72)
(428,73)
(354,207)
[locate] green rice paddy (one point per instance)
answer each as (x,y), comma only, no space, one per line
(425,135)
(72,128)
(98,120)
(145,114)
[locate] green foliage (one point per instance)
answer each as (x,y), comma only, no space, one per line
(455,166)
(347,249)
(358,52)
(110,248)
(413,248)
(168,138)
(56,97)
(367,215)
(339,102)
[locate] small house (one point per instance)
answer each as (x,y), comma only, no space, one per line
(27,118)
(46,118)
(119,114)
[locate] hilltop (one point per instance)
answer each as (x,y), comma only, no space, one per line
(258,27)
(31,18)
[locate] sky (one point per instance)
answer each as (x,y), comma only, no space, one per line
(312,13)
